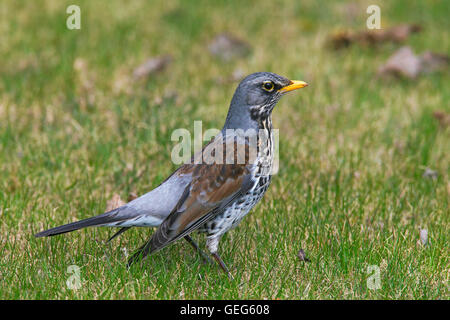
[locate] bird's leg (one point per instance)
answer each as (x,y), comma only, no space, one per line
(145,249)
(212,242)
(222,264)
(194,244)
(204,256)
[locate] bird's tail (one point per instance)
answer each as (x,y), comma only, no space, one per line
(103,219)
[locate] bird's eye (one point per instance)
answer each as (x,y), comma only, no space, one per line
(268,86)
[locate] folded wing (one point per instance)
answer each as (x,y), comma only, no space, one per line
(212,188)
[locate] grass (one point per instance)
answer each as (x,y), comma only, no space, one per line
(353,149)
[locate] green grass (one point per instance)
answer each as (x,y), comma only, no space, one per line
(353,149)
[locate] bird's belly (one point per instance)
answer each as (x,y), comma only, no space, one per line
(233,214)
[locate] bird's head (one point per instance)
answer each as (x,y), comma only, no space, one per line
(255,98)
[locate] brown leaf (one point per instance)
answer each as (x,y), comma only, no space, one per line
(341,39)
(431,174)
(402,63)
(443,118)
(228,47)
(432,62)
(405,63)
(401,33)
(114,202)
(302,256)
(397,34)
(152,66)
(131,196)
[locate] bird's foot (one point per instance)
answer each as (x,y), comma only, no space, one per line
(222,265)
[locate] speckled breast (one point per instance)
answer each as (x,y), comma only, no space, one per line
(233,214)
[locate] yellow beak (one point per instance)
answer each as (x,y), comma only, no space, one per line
(294,85)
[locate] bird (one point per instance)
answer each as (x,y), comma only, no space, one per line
(213,192)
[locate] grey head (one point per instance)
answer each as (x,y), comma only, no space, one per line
(255,97)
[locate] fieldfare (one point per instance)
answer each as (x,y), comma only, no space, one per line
(220,185)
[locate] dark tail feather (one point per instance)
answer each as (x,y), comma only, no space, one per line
(118,233)
(104,218)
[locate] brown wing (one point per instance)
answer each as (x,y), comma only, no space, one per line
(212,188)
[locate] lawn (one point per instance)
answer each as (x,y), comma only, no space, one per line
(76,129)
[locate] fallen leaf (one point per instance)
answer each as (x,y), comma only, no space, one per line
(341,39)
(432,62)
(131,196)
(401,33)
(228,47)
(152,66)
(430,174)
(443,118)
(302,256)
(397,34)
(402,63)
(405,63)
